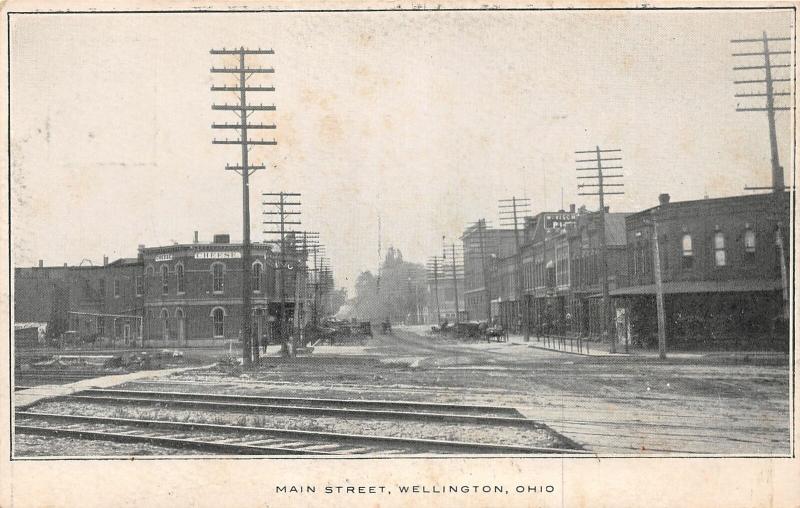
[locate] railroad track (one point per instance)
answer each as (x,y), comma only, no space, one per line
(242,440)
(249,404)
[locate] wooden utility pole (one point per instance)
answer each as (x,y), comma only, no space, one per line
(281,213)
(662,329)
(511,212)
(433,272)
(768,93)
(598,182)
(456,270)
(244,110)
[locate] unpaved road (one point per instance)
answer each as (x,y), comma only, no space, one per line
(612,405)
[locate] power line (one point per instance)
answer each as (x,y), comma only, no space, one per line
(514,211)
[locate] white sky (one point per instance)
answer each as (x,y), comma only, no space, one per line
(426,118)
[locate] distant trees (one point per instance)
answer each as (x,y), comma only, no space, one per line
(398,293)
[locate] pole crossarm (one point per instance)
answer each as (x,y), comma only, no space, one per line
(242,51)
(244,142)
(246,70)
(242,89)
(246,107)
(242,126)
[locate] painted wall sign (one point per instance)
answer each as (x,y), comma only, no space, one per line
(218,255)
(164,257)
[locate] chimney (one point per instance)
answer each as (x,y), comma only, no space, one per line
(663,199)
(65,265)
(41,263)
(572,208)
(606,209)
(105,260)
(195,237)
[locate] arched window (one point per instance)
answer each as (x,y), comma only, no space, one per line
(181,322)
(218,273)
(218,318)
(687,252)
(719,249)
(165,324)
(164,280)
(256,285)
(179,281)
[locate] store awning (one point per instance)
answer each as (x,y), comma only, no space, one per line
(702,286)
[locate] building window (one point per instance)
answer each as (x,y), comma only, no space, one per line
(139,285)
(179,280)
(165,324)
(101,287)
(117,289)
(218,272)
(218,317)
(749,245)
(719,249)
(101,326)
(687,253)
(256,277)
(164,280)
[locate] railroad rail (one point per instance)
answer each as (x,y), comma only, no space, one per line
(367,404)
(246,405)
(230,439)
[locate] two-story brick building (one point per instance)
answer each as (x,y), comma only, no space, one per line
(724,266)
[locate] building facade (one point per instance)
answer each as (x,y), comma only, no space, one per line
(177,295)
(724,270)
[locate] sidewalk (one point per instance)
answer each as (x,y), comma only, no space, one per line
(25,398)
(602,349)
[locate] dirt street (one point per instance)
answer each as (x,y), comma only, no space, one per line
(612,405)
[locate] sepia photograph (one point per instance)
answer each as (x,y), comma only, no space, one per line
(401,232)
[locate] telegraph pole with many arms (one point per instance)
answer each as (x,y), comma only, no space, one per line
(244,110)
(601,184)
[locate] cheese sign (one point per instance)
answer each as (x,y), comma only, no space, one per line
(218,255)
(163,257)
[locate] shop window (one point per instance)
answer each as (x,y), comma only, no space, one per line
(687,251)
(719,249)
(180,285)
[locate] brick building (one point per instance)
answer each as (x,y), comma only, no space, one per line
(724,273)
(176,295)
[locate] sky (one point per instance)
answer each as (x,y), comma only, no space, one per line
(425,119)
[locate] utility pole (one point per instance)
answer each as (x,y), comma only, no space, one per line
(434,264)
(769,94)
(309,242)
(244,110)
(512,211)
(283,208)
(598,181)
(456,270)
(662,328)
